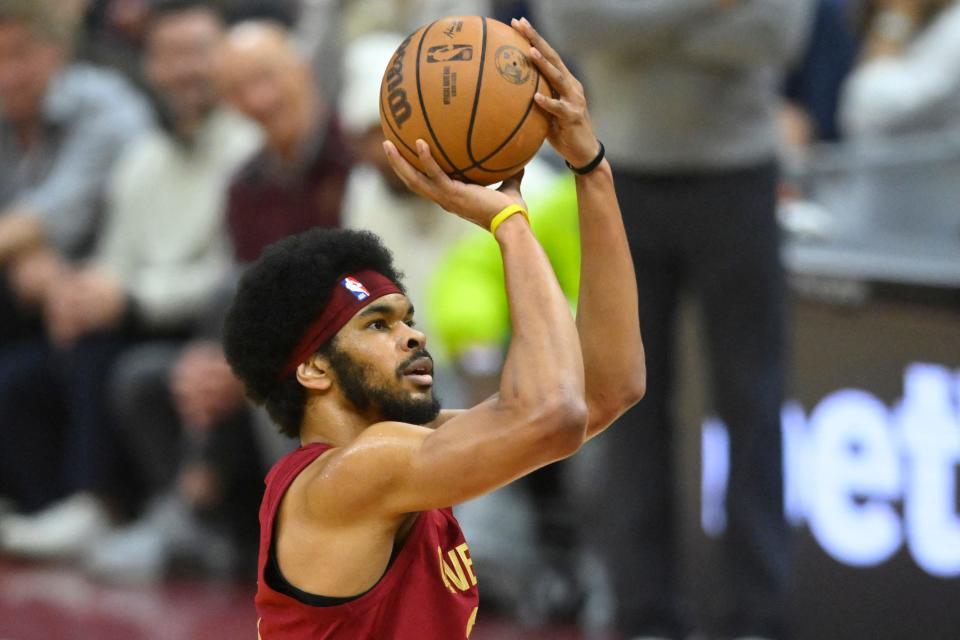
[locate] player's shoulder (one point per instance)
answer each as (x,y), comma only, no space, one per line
(377,440)
(381,439)
(445,416)
(386,434)
(354,475)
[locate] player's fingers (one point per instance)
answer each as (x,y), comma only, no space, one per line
(513,182)
(539,42)
(446,191)
(430,166)
(415,180)
(511,185)
(553,106)
(557,78)
(397,163)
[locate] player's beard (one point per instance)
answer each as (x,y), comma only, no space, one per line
(391,404)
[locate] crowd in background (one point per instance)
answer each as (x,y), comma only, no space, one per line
(149,149)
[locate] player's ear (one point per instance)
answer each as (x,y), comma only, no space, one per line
(315,373)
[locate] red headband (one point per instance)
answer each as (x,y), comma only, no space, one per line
(352,293)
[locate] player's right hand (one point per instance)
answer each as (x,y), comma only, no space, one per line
(469,201)
(571,129)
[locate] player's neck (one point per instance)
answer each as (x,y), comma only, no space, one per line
(333,420)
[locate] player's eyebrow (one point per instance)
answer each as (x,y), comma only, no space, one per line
(384,309)
(375,309)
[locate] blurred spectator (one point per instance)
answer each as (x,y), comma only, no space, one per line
(164,250)
(908,80)
(685,94)
(297,181)
(366,16)
(163,253)
(813,87)
(283,12)
(62,126)
(167,243)
(112,31)
(112,34)
(810,113)
(181,406)
(319,35)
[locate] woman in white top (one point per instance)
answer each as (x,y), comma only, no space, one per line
(908,80)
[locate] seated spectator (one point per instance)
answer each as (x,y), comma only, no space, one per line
(112,32)
(180,404)
(908,80)
(170,444)
(164,252)
(62,125)
(297,181)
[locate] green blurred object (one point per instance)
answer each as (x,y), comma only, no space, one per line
(466,296)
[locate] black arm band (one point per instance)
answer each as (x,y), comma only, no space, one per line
(590,166)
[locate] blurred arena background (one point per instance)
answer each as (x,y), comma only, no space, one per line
(151,148)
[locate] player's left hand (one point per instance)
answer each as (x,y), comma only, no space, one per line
(571,130)
(469,201)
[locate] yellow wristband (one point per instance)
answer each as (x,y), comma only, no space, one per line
(505,213)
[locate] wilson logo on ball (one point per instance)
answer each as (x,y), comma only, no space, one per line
(465,86)
(397,97)
(450,53)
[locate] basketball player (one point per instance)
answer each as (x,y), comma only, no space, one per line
(357,537)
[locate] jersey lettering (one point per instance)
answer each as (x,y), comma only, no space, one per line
(457,574)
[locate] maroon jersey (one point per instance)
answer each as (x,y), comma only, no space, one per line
(429,591)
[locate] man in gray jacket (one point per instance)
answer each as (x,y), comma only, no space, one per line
(685,94)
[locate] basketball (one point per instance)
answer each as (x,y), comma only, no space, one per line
(465,85)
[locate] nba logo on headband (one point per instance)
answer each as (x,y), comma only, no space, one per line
(343,304)
(356,287)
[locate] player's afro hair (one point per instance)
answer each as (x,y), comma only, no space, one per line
(278,297)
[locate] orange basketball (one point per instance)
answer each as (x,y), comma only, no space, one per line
(465,85)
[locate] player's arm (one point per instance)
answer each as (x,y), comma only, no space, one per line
(537,417)
(607,312)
